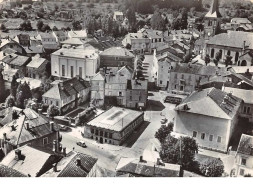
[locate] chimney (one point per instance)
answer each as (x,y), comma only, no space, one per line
(51,125)
(40,111)
(5,137)
(78,162)
(141,158)
(18,154)
(55,167)
(27,125)
(64,151)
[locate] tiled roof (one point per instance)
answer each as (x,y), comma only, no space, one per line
(9,172)
(77,53)
(233,39)
(17,132)
(245,145)
(147,169)
(98,77)
(78,34)
(67,166)
(196,69)
(245,95)
(115,118)
(45,35)
(34,49)
(104,44)
(16,60)
(117,51)
(211,102)
(33,160)
(73,41)
(67,88)
(7,115)
(37,62)
(240,21)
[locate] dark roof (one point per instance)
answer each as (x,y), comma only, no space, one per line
(67,88)
(196,69)
(16,60)
(68,167)
(245,145)
(147,169)
(9,172)
(137,84)
(104,43)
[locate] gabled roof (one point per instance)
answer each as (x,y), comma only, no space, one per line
(117,51)
(78,34)
(245,145)
(17,132)
(16,60)
(98,77)
(195,69)
(33,160)
(67,88)
(73,41)
(34,49)
(9,172)
(245,95)
(68,167)
(37,62)
(211,102)
(147,169)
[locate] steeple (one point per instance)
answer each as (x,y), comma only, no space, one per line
(214,10)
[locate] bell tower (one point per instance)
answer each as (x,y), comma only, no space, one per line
(212,20)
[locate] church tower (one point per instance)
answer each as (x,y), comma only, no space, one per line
(212,20)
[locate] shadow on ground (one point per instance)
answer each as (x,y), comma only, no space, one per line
(154,105)
(135,135)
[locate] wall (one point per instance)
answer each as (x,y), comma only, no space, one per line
(248,168)
(186,123)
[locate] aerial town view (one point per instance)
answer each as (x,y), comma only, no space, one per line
(126,88)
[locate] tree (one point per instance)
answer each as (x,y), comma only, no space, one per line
(23,93)
(163,132)
(76,25)
(45,28)
(55,28)
(212,168)
(179,151)
(228,60)
(157,22)
(14,86)
(10,101)
(26,26)
(207,59)
(2,88)
(3,27)
(40,24)
(52,111)
(130,15)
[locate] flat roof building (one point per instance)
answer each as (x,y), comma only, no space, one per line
(114,125)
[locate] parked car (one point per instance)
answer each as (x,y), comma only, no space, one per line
(173,100)
(82,144)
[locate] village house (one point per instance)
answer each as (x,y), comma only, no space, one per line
(247,97)
(184,79)
(23,39)
(29,127)
(134,167)
(14,61)
(60,36)
(209,116)
(115,125)
(67,94)
(31,161)
(11,44)
(244,157)
(48,41)
(118,16)
(104,42)
(98,89)
(80,34)
(36,67)
(246,71)
(239,24)
(74,164)
(71,62)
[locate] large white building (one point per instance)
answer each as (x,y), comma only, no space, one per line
(71,62)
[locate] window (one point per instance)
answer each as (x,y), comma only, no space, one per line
(110,135)
(92,131)
(71,71)
(105,134)
(203,136)
(96,132)
(219,139)
(63,70)
(109,86)
(243,162)
(248,110)
(210,138)
(161,82)
(130,98)
(45,140)
(244,109)
(175,76)
(175,86)
(101,133)
(120,93)
(57,103)
(194,134)
(242,172)
(110,93)
(182,77)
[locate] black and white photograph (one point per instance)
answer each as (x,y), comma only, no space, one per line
(126,88)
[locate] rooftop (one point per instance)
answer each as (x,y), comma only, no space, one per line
(76,53)
(233,39)
(37,62)
(211,102)
(245,95)
(9,172)
(68,166)
(78,34)
(137,84)
(117,51)
(115,119)
(16,60)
